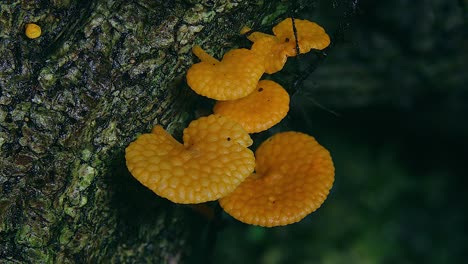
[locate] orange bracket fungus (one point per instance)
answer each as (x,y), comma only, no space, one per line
(234,77)
(274,49)
(258,111)
(290,175)
(274,52)
(293,176)
(309,34)
(211,163)
(32,31)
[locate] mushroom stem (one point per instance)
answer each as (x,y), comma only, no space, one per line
(203,56)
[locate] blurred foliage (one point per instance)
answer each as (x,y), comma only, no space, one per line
(389,102)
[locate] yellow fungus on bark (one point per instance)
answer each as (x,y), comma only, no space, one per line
(309,34)
(293,176)
(234,77)
(273,52)
(260,110)
(32,31)
(275,49)
(211,163)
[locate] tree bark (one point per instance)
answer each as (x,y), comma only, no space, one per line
(71,101)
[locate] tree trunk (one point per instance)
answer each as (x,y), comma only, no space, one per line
(71,101)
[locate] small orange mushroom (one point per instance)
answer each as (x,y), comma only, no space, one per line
(32,31)
(309,34)
(258,111)
(234,77)
(211,163)
(274,49)
(292,178)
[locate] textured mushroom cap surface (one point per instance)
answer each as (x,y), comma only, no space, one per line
(309,34)
(258,111)
(293,177)
(273,52)
(234,77)
(213,161)
(33,31)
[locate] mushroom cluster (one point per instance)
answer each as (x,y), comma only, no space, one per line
(290,174)
(275,49)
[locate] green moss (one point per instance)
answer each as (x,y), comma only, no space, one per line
(29,235)
(47,78)
(21,111)
(65,235)
(281,9)
(3,138)
(86,154)
(6,18)
(108,136)
(199,14)
(86,176)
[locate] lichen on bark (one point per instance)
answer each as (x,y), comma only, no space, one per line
(71,100)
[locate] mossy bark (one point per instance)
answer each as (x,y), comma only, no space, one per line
(70,102)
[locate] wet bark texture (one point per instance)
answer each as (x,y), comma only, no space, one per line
(70,102)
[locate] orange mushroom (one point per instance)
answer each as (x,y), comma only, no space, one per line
(274,49)
(234,77)
(292,178)
(32,31)
(258,111)
(274,52)
(211,163)
(309,34)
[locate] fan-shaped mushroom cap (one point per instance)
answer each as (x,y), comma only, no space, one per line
(211,163)
(234,77)
(309,34)
(293,177)
(258,111)
(273,51)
